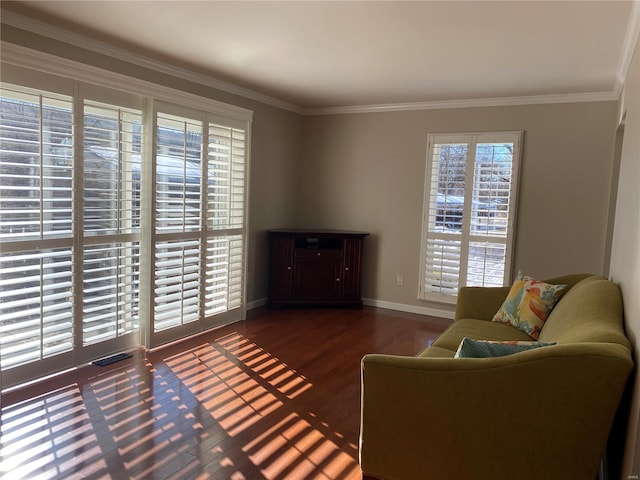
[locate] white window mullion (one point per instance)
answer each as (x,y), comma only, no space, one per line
(147,223)
(466,216)
(120,179)
(78,216)
(185,146)
(41,312)
(204,228)
(41,173)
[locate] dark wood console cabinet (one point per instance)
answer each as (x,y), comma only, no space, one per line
(315,268)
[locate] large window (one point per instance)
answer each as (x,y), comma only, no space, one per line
(122,222)
(469,212)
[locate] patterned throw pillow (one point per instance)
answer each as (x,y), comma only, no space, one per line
(528,304)
(470,348)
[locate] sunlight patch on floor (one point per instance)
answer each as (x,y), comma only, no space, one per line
(241,384)
(49,436)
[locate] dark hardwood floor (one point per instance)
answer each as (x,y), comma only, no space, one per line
(274,397)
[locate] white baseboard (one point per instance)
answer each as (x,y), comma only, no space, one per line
(371,302)
(403,307)
(261,302)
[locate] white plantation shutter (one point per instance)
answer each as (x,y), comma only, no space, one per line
(224,277)
(444,210)
(492,213)
(177,278)
(226,193)
(442,265)
(177,284)
(111,222)
(37,165)
(36,309)
(226,177)
(178,174)
(111,169)
(36,191)
(469,212)
(110,291)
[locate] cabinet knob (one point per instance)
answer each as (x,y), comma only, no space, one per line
(346,268)
(288,268)
(337,279)
(318,253)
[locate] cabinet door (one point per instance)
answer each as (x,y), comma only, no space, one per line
(351,268)
(317,278)
(281,268)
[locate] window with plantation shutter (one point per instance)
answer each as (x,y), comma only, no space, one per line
(122,219)
(469,212)
(198,244)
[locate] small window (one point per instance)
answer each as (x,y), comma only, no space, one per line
(469,212)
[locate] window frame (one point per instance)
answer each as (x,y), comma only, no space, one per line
(40,71)
(466,237)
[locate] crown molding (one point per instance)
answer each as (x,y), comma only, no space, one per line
(41,28)
(44,62)
(78,40)
(470,103)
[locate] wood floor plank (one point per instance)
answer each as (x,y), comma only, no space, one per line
(271,398)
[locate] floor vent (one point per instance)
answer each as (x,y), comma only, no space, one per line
(112,359)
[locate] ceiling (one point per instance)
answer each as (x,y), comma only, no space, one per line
(319,54)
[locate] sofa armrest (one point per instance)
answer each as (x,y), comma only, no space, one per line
(543,413)
(481,303)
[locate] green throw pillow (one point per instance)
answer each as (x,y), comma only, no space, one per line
(470,348)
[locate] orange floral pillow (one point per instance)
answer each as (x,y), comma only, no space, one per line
(528,304)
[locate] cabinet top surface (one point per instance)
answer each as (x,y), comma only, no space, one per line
(310,231)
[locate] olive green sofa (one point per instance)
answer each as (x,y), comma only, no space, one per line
(542,414)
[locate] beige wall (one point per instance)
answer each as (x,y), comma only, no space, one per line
(366,172)
(625,255)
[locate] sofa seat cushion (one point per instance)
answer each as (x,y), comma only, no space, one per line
(479,330)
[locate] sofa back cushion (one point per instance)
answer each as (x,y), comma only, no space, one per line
(590,312)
